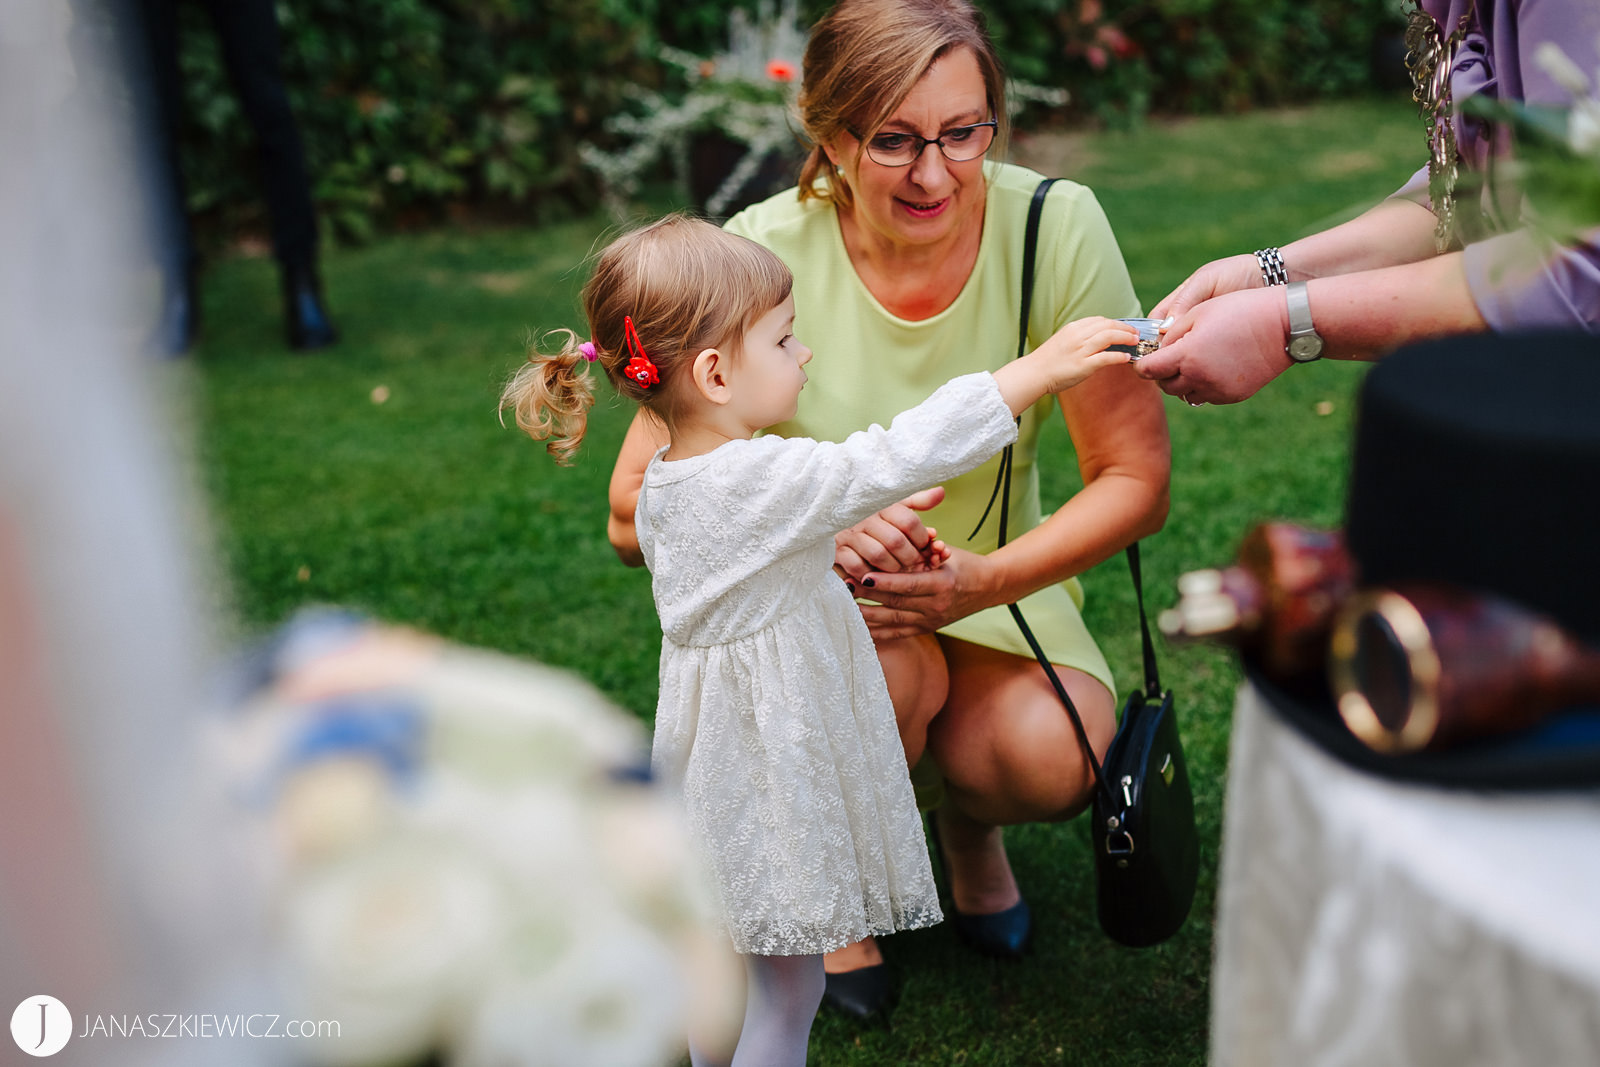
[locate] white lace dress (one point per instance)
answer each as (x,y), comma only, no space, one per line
(774,720)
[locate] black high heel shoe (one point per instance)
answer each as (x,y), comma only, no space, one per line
(864,993)
(1001,934)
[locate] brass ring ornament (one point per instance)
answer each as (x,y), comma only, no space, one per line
(1385,672)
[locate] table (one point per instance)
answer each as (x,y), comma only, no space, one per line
(1362,921)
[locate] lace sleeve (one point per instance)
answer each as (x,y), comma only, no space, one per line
(820,488)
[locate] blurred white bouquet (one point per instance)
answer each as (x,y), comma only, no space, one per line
(745,94)
(466,858)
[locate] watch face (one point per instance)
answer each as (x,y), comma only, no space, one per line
(1305,349)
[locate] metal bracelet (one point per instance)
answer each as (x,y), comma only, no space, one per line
(1273,272)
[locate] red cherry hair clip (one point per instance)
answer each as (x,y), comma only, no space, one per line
(639,368)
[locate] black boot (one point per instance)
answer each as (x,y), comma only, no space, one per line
(304,315)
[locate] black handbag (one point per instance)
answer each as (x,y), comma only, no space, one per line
(1146,846)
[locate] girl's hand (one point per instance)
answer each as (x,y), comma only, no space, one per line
(1215,278)
(1080,348)
(892,540)
(936,555)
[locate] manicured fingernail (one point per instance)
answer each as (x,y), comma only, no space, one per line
(869,583)
(850,586)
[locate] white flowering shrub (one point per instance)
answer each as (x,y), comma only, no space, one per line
(746,93)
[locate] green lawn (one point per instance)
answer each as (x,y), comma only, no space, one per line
(422,509)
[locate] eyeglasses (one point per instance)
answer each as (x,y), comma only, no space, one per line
(958,145)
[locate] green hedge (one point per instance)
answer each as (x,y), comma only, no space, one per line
(415,108)
(410,106)
(1123,59)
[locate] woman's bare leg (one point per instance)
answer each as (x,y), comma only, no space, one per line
(1009,754)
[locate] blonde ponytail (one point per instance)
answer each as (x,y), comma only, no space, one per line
(551,395)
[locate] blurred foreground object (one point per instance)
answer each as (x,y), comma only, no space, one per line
(1423,666)
(1456,612)
(1364,914)
(1370,920)
(1415,667)
(1558,148)
(112,896)
(1276,603)
(466,857)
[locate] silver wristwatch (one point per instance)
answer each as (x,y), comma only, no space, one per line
(1305,344)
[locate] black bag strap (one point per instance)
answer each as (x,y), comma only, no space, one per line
(1152,677)
(1030,248)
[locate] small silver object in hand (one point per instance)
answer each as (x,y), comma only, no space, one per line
(1149,337)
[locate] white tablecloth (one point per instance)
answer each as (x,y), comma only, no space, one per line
(1366,922)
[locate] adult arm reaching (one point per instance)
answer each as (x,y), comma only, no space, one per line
(1383,280)
(1124,460)
(644,438)
(1224,349)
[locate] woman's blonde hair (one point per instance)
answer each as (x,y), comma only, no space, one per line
(862,61)
(687,285)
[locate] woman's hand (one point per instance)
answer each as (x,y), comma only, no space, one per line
(892,540)
(1223,350)
(1215,278)
(907,603)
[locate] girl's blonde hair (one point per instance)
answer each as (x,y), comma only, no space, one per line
(862,61)
(687,285)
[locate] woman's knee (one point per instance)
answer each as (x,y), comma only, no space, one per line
(1015,755)
(918,680)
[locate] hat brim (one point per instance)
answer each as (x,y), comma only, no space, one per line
(1562,752)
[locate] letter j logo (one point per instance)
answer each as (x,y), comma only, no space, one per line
(41,1025)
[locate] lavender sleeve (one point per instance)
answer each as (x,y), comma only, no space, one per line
(1517,278)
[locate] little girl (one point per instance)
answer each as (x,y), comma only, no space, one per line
(774,720)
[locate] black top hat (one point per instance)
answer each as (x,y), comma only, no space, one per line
(1476,463)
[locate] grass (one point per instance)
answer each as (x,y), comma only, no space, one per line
(421,509)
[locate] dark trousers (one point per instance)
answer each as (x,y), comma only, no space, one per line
(247,31)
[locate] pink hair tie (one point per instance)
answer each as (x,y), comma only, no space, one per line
(587,349)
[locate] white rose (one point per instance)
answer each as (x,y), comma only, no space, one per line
(616,998)
(388,939)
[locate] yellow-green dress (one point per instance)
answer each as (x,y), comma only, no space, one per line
(870,365)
